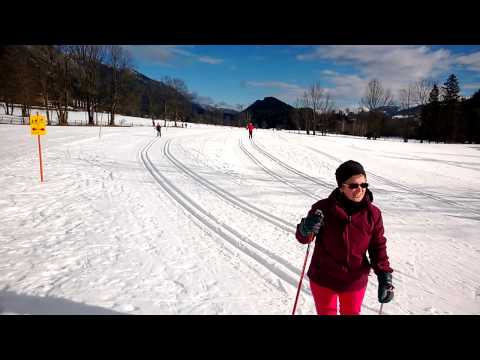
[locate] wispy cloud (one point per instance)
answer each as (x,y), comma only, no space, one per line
(395,66)
(395,63)
(168,54)
(162,54)
(347,86)
(329,73)
(471,62)
(471,85)
(272,84)
(209,60)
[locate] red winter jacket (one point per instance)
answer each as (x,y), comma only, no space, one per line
(339,261)
(250,127)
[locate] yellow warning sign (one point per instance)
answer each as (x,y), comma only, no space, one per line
(38,125)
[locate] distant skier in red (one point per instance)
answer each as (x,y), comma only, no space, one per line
(250,128)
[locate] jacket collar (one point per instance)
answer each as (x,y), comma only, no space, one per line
(368,198)
(342,204)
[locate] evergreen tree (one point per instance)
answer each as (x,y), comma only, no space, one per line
(430,126)
(450,116)
(451,89)
(434,95)
(471,109)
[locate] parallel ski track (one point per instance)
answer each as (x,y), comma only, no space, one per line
(314,180)
(261,255)
(404,187)
(299,173)
(395,184)
(235,239)
(228,197)
(274,175)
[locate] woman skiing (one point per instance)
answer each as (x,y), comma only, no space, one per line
(250,128)
(346,226)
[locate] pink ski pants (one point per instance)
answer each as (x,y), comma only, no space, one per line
(326,300)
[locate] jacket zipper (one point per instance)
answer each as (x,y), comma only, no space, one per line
(348,241)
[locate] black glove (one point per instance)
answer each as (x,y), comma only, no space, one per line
(385,287)
(312,223)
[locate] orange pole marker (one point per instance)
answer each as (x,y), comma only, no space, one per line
(40,154)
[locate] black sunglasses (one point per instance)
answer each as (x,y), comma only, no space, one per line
(355,185)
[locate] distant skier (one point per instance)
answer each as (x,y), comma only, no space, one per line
(159,129)
(250,128)
(349,227)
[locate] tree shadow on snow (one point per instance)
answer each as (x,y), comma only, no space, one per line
(13,303)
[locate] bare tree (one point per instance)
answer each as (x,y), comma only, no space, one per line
(422,90)
(306,114)
(26,85)
(375,97)
(119,61)
(155,107)
(315,94)
(88,58)
(297,114)
(178,99)
(62,79)
(239,108)
(326,107)
(15,78)
(46,57)
(407,98)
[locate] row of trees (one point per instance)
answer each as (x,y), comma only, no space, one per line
(313,110)
(447,118)
(429,113)
(93,78)
(61,78)
(101,78)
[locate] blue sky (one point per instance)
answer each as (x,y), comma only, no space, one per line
(233,75)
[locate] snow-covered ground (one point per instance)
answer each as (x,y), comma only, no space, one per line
(202,220)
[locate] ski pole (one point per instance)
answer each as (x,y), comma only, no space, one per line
(380,311)
(310,238)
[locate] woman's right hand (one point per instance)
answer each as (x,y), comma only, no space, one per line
(312,223)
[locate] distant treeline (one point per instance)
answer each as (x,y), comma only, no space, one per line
(101,78)
(439,114)
(92,78)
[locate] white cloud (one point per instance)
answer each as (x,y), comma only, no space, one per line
(329,73)
(162,54)
(471,62)
(395,66)
(272,84)
(471,86)
(347,86)
(209,60)
(167,54)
